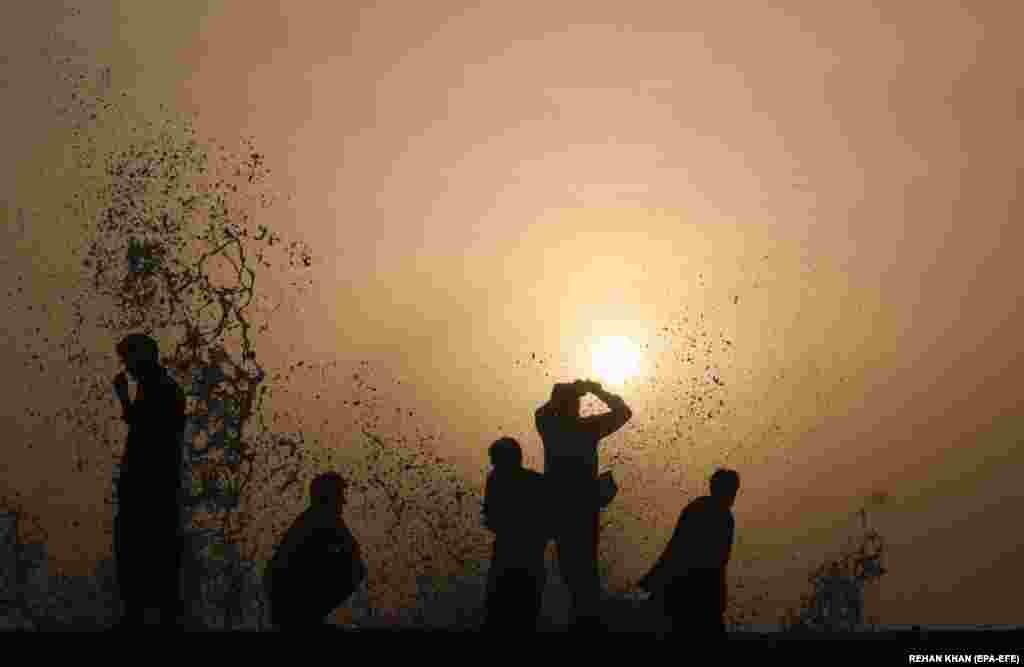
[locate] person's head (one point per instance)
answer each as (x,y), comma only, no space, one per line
(327,491)
(725,484)
(565,396)
(140,354)
(506,453)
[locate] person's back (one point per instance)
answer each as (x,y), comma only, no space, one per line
(708,529)
(515,509)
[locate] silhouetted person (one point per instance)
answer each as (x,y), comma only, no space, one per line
(148,541)
(570,466)
(516,510)
(318,565)
(690,577)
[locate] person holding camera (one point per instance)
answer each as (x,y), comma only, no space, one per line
(570,466)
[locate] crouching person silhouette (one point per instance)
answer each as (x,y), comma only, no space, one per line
(515,510)
(318,564)
(690,577)
(148,540)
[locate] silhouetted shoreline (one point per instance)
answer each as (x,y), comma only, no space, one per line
(1012,639)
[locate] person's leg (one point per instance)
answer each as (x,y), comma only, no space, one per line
(172,602)
(133,610)
(699,607)
(595,576)
(133,613)
(292,618)
(536,601)
(559,539)
(492,607)
(301,601)
(524,604)
(323,603)
(282,605)
(680,603)
(705,626)
(720,630)
(712,621)
(503,613)
(584,582)
(568,568)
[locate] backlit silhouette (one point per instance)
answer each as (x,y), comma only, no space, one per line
(570,465)
(516,510)
(690,577)
(148,542)
(318,564)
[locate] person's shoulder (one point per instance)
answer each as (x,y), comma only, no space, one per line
(698,503)
(307,519)
(493,479)
(326,524)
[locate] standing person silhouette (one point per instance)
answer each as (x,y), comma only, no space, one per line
(515,510)
(318,564)
(690,577)
(570,466)
(148,541)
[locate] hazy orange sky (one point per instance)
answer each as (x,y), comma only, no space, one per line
(833,184)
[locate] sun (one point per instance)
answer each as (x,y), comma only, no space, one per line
(615,359)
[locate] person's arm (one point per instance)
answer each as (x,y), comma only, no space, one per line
(351,546)
(488,508)
(724,592)
(180,411)
(663,570)
(300,531)
(177,453)
(724,602)
(121,389)
(730,536)
(541,415)
(618,413)
(344,538)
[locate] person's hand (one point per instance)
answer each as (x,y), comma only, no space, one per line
(121,387)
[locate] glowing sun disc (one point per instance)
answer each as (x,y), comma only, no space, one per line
(615,359)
